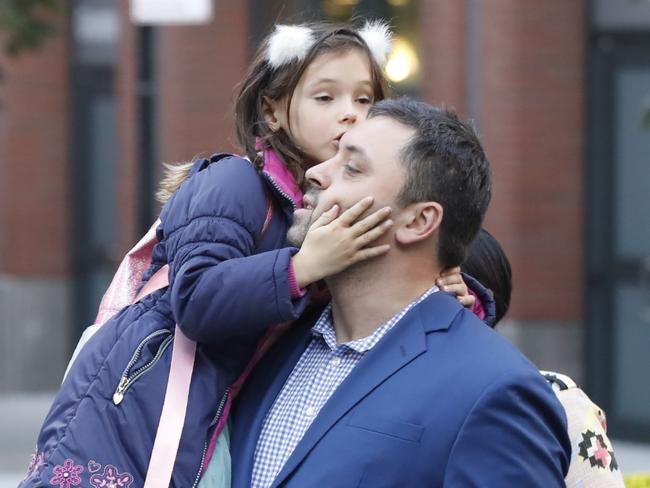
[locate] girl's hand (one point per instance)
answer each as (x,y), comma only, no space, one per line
(333,244)
(451,281)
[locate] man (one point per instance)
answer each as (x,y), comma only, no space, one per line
(395,384)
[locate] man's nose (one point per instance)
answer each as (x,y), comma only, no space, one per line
(317,176)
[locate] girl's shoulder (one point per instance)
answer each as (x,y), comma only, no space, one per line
(223,172)
(224,185)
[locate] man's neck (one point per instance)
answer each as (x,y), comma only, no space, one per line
(365,298)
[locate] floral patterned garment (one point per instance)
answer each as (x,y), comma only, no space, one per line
(70,474)
(593,463)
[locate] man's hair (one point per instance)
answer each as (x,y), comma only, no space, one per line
(445,163)
(487,262)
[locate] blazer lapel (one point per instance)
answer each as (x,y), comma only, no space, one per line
(260,392)
(405,342)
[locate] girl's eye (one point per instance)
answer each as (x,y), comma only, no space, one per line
(324,98)
(364,100)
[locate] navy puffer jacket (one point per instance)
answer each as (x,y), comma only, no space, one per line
(227,287)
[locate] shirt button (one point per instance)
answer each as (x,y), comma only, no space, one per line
(310,411)
(335,361)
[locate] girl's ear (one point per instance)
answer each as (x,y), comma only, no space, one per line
(421,220)
(272,112)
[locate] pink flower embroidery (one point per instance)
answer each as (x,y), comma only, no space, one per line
(111,478)
(67,475)
(37,460)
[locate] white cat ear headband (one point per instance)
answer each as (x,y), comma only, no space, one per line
(292,43)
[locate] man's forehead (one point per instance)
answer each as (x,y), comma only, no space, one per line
(376,133)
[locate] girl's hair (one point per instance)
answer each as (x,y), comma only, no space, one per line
(277,84)
(487,262)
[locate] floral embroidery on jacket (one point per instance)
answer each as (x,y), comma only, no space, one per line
(34,464)
(111,478)
(67,475)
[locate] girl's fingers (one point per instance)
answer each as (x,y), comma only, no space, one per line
(326,217)
(355,211)
(370,252)
(373,234)
(453,274)
(460,290)
(371,221)
(467,301)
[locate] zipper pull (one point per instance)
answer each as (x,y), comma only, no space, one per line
(118,396)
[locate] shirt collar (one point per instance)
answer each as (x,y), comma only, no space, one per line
(324,327)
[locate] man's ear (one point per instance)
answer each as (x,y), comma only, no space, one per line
(421,220)
(273,113)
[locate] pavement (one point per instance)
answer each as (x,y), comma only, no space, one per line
(21,416)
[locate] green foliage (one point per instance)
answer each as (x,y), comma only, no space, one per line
(637,481)
(26,24)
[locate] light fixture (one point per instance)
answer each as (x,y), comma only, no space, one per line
(402,61)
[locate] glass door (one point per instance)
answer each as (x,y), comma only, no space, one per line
(618,232)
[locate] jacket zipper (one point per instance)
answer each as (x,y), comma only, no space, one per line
(279,190)
(215,421)
(128,378)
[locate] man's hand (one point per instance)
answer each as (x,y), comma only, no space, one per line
(334,243)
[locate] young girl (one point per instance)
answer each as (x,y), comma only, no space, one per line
(231,276)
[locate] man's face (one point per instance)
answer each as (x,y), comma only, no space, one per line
(366,164)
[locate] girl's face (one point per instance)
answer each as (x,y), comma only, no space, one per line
(334,93)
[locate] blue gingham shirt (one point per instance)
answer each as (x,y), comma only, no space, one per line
(317,374)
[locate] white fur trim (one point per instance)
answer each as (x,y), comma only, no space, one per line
(289,43)
(379,38)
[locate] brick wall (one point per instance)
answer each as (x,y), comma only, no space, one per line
(198,68)
(532,121)
(443,25)
(34,217)
(34,161)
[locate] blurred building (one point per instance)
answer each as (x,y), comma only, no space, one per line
(559,91)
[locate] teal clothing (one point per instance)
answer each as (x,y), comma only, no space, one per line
(217,475)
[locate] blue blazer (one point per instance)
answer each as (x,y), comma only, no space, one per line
(441,400)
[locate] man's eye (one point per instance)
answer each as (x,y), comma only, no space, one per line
(351,169)
(324,98)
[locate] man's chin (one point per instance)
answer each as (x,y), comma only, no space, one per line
(296,236)
(298,231)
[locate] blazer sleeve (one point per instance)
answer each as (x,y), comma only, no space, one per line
(514,436)
(220,288)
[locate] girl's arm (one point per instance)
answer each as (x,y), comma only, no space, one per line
(220,289)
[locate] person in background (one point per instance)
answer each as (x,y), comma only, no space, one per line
(593,463)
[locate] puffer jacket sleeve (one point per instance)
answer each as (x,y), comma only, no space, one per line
(220,290)
(484,298)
